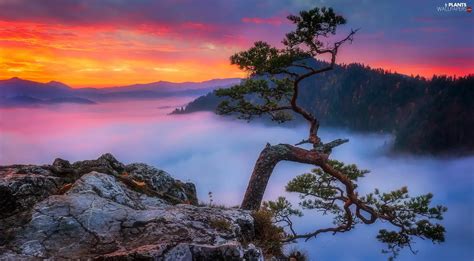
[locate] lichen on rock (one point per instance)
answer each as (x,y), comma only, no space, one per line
(102,209)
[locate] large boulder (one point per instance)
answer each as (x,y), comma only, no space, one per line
(21,186)
(162,183)
(114,212)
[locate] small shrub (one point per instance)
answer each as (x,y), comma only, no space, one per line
(211,200)
(297,255)
(268,236)
(220,224)
(218,206)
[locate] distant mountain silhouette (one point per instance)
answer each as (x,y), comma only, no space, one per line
(27,101)
(58,84)
(165,86)
(20,100)
(19,92)
(426,116)
(69,100)
(19,87)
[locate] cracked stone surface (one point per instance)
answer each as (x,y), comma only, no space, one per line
(105,210)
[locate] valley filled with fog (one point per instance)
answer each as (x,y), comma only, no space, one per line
(217,154)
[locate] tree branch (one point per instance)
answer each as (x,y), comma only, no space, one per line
(341,228)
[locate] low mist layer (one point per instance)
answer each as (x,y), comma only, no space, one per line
(218,155)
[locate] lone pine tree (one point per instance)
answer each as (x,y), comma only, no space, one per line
(271,89)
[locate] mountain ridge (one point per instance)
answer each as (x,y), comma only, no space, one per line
(426,116)
(11,91)
(156,83)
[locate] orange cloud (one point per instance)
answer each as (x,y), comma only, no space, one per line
(105,56)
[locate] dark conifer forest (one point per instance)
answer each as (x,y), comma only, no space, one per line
(360,98)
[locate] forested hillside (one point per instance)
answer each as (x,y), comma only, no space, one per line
(432,116)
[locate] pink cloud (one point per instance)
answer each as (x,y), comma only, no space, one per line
(258,20)
(425,29)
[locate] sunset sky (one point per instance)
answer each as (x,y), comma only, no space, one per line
(117,42)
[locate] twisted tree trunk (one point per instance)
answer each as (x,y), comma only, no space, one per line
(266,162)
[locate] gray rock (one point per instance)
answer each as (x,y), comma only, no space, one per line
(187,251)
(22,186)
(162,182)
(106,164)
(122,213)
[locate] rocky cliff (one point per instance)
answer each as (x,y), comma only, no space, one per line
(105,210)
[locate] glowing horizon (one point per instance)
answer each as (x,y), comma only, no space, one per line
(87,44)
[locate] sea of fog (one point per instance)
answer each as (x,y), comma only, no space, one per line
(218,155)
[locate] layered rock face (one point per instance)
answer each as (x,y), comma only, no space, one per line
(105,210)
